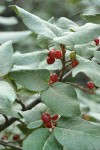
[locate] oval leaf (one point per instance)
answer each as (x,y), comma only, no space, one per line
(62,99)
(35,124)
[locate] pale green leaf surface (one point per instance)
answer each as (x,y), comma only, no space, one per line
(84,34)
(8,20)
(6,52)
(91,69)
(62,99)
(78,134)
(7,94)
(94,18)
(35,124)
(34,80)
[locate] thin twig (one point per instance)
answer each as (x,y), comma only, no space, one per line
(12,119)
(21,103)
(81,88)
(6,144)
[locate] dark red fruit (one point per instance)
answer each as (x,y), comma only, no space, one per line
(90,85)
(16,137)
(50,60)
(51,53)
(54,118)
(96,41)
(58,54)
(48,125)
(54,77)
(75,63)
(46,117)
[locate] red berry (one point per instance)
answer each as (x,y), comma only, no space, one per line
(54,77)
(46,117)
(48,125)
(90,85)
(51,53)
(58,54)
(96,41)
(16,137)
(50,60)
(75,63)
(54,118)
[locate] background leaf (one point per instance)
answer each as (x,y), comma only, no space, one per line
(94,18)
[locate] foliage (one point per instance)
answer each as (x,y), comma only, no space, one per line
(26,91)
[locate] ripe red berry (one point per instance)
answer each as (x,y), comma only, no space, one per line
(58,54)
(54,118)
(51,53)
(48,125)
(50,60)
(75,63)
(46,117)
(96,41)
(54,77)
(16,137)
(90,85)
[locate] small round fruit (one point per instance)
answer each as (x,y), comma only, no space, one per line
(96,41)
(75,63)
(54,77)
(48,125)
(58,54)
(54,118)
(46,117)
(51,53)
(90,85)
(73,55)
(16,137)
(50,60)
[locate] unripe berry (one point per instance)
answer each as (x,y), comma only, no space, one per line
(90,85)
(58,54)
(54,77)
(48,125)
(16,137)
(46,117)
(96,41)
(54,118)
(73,55)
(51,53)
(75,63)
(50,60)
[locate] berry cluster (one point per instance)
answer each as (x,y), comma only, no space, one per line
(73,59)
(15,137)
(90,85)
(52,55)
(50,122)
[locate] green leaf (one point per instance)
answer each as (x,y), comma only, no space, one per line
(34,80)
(62,99)
(34,60)
(91,69)
(85,50)
(15,36)
(94,18)
(41,139)
(6,52)
(36,140)
(76,134)
(34,114)
(35,124)
(34,23)
(66,24)
(95,2)
(7,94)
(8,20)
(83,35)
